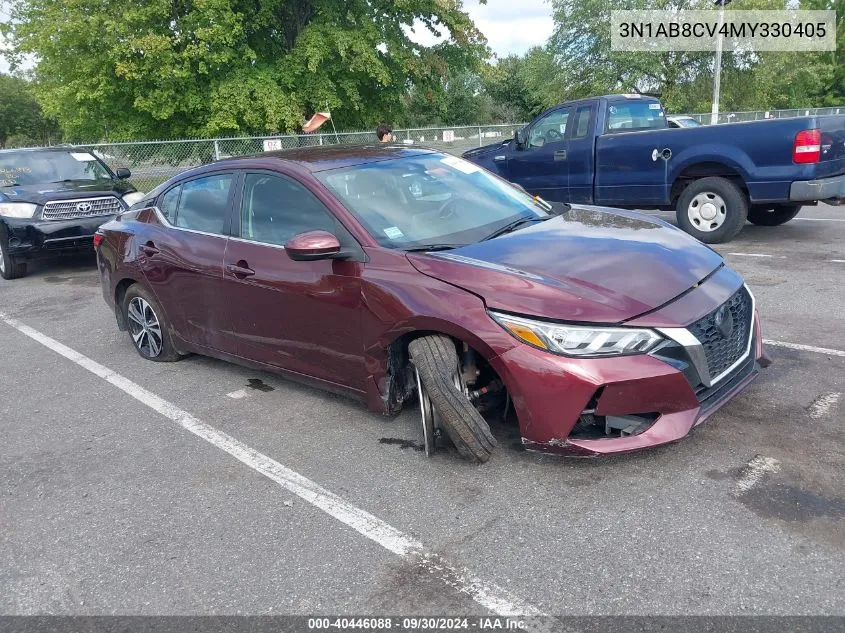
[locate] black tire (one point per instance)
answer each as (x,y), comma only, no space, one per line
(10,268)
(733,210)
(147,343)
(436,361)
(772,216)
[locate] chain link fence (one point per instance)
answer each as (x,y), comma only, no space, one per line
(760,115)
(153,162)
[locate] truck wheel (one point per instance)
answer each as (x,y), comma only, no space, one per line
(436,361)
(10,268)
(773,216)
(712,210)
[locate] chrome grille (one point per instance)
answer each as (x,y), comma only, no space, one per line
(82,208)
(720,350)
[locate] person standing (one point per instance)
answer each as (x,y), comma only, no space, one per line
(384,133)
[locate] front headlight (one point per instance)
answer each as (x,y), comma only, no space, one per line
(17,209)
(579,341)
(132,198)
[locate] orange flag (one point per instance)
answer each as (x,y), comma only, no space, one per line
(313,124)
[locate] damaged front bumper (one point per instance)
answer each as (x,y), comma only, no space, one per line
(603,406)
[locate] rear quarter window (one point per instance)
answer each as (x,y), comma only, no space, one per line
(628,116)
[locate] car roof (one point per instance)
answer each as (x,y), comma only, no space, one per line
(321,158)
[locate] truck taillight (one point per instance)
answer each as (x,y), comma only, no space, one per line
(807,147)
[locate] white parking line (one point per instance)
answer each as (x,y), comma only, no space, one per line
(753,472)
(838,261)
(822,405)
(805,348)
(488,596)
(757,255)
(821,219)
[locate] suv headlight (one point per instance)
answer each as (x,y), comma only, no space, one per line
(579,341)
(132,198)
(17,209)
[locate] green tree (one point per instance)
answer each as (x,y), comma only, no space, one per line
(21,119)
(168,68)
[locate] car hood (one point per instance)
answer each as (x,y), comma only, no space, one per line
(41,193)
(588,265)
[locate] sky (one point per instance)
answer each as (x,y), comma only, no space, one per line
(511,26)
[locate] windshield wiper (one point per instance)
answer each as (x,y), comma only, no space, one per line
(512,226)
(11,184)
(432,247)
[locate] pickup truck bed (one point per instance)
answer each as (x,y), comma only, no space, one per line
(618,151)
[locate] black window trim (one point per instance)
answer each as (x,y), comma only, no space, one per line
(570,136)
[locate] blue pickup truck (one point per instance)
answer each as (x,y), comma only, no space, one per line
(619,151)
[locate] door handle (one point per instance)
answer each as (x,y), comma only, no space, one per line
(560,154)
(149,249)
(240,270)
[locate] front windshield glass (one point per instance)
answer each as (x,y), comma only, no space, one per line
(35,168)
(429,200)
(685,122)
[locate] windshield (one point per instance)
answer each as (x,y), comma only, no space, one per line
(33,168)
(429,200)
(631,115)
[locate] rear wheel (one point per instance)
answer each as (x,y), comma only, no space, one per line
(147,328)
(773,216)
(712,210)
(10,268)
(441,385)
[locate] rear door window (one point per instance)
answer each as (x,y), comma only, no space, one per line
(203,204)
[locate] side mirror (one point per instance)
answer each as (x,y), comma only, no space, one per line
(313,245)
(122,173)
(519,138)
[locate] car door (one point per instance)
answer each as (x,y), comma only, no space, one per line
(630,169)
(580,155)
(302,316)
(181,258)
(540,166)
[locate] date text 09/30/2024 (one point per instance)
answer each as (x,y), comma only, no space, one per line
(418,624)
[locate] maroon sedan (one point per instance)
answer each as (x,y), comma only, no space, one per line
(393,273)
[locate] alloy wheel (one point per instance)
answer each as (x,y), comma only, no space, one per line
(707,211)
(144,327)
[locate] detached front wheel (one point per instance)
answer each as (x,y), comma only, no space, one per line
(442,394)
(712,210)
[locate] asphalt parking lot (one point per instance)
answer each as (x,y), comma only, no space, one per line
(122,499)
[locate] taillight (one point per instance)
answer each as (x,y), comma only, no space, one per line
(98,239)
(807,147)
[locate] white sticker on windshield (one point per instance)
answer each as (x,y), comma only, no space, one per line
(460,164)
(653,106)
(393,232)
(82,157)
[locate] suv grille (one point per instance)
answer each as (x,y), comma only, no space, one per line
(83,208)
(734,318)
